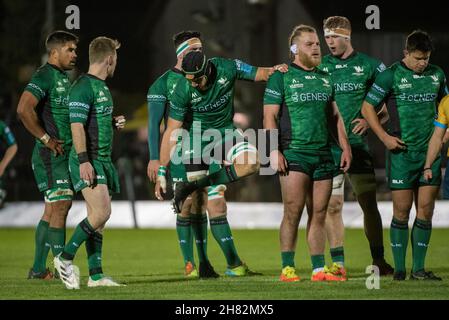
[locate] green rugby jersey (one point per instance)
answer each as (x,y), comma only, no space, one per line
(90,103)
(412,101)
(6,135)
(305,98)
(158,98)
(50,85)
(214,107)
(352,78)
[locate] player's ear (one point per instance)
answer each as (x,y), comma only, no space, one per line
(405,53)
(110,60)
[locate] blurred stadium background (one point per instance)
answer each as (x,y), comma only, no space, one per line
(255,31)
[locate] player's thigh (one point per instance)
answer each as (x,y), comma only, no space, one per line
(322,190)
(98,199)
(294,189)
(426,201)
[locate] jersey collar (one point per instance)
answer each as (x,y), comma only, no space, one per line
(56,67)
(294,65)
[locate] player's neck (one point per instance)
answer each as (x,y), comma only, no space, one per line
(348,52)
(98,70)
(299,63)
(54,61)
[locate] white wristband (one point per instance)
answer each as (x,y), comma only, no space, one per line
(45,138)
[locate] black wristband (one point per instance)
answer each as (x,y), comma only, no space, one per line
(83,157)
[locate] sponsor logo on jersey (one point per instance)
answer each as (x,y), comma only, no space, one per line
(102,97)
(196,97)
(358,71)
(341,66)
(60,87)
(272,92)
(404,84)
(310,77)
(419,97)
(436,80)
(381,67)
(59,181)
(216,105)
(417,76)
(156,98)
(296,84)
(325,82)
(223,81)
(348,86)
(326,69)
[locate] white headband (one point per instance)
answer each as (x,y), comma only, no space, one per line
(339,32)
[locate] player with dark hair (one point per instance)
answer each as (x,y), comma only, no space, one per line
(412,87)
(201,101)
(44,112)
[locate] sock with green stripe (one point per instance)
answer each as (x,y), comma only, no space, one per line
(41,247)
(94,245)
(399,242)
(199,228)
(221,231)
(82,232)
(420,239)
(288,259)
(338,255)
(56,239)
(185,238)
(225,175)
(318,262)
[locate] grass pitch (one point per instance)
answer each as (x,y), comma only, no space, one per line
(150,263)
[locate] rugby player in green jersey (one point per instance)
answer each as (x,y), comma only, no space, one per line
(352,74)
(204,101)
(412,87)
(9,141)
(44,112)
(301,105)
(187,225)
(91,168)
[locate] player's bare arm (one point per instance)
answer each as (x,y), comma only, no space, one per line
(28,116)
(372,118)
(270,116)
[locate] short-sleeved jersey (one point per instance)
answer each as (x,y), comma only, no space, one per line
(214,107)
(412,101)
(305,98)
(90,103)
(158,98)
(50,85)
(6,135)
(352,78)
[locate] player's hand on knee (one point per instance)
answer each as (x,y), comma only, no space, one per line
(55,145)
(152,169)
(87,173)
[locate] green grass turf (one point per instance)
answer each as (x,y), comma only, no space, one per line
(150,263)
